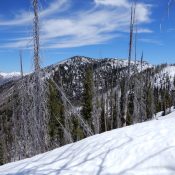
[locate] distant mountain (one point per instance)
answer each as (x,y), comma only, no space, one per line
(76,62)
(72,72)
(23,134)
(6,77)
(112,62)
(167,73)
(146,148)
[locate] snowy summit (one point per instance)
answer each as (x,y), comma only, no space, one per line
(141,149)
(6,77)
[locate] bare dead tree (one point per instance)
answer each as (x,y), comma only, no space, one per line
(36,39)
(36,58)
(68,105)
(139,113)
(117,123)
(95,112)
(127,79)
(36,47)
(22,91)
(39,94)
(142,105)
(38,90)
(21,63)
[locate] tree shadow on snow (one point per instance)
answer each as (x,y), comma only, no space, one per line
(70,160)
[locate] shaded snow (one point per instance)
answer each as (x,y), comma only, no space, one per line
(161,77)
(142,149)
(6,77)
(10,75)
(170,70)
(116,62)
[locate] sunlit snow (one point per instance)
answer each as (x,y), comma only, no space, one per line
(142,149)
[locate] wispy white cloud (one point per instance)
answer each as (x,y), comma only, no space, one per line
(151,41)
(144,30)
(18,43)
(92,26)
(25,18)
(142,10)
(57,6)
(118,3)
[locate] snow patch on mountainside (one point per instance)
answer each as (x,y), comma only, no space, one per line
(10,75)
(161,77)
(170,70)
(76,61)
(6,77)
(124,63)
(142,149)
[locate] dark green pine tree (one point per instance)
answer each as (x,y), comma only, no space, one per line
(129,119)
(157,100)
(149,94)
(56,110)
(77,131)
(102,116)
(168,100)
(1,155)
(88,96)
(173,92)
(150,109)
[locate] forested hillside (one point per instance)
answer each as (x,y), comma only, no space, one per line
(137,149)
(84,115)
(80,97)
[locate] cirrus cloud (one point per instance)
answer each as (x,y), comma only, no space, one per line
(95,25)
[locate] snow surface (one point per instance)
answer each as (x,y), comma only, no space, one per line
(6,77)
(116,62)
(142,149)
(10,74)
(170,70)
(161,76)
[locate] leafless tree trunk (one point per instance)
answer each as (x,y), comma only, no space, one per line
(36,41)
(21,63)
(96,104)
(68,105)
(39,88)
(127,78)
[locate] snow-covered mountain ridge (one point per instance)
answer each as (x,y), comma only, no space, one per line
(115,62)
(10,74)
(147,148)
(107,77)
(6,77)
(76,62)
(166,74)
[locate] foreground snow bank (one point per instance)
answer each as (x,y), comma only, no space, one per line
(142,149)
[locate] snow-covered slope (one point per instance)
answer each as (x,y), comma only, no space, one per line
(142,149)
(161,77)
(10,75)
(77,61)
(5,77)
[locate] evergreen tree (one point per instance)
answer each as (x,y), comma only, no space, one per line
(1,155)
(157,100)
(139,111)
(149,95)
(149,103)
(102,116)
(88,96)
(56,120)
(129,119)
(117,109)
(173,92)
(77,131)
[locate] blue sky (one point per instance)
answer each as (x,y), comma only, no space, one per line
(94,28)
